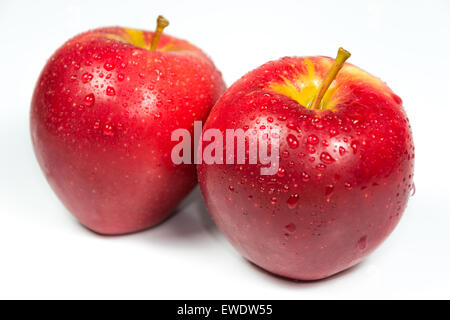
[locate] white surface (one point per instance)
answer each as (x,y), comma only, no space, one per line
(45,253)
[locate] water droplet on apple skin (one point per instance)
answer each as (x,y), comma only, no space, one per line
(354,145)
(312,139)
(110,91)
(305,177)
(292,141)
(86,77)
(413,190)
(291,228)
(326,158)
(281,172)
(293,201)
(157,116)
(109,66)
(285,153)
(362,243)
(108,130)
(329,189)
(89,100)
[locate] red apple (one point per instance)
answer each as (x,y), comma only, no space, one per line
(345,167)
(102,114)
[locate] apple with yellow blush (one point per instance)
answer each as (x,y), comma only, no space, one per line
(345,174)
(102,114)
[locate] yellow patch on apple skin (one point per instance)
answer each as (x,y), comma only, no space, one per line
(169,47)
(113,37)
(304,86)
(350,72)
(136,37)
(303,83)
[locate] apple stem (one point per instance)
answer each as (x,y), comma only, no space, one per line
(161,23)
(338,63)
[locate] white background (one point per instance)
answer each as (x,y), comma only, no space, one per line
(45,253)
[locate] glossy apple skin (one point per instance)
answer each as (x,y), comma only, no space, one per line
(345,174)
(102,114)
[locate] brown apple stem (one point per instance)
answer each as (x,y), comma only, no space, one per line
(338,63)
(161,23)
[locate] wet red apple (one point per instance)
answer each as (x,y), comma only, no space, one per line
(102,114)
(345,170)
